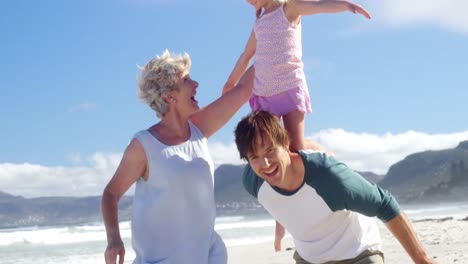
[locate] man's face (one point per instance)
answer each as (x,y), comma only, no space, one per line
(270,162)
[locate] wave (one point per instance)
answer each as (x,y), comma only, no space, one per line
(224,219)
(235,230)
(457,210)
(58,235)
(248,224)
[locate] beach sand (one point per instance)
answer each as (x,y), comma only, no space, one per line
(445,240)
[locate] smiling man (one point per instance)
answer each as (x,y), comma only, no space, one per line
(327,207)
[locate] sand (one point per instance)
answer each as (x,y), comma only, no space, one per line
(445,240)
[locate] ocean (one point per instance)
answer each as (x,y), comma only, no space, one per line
(86,243)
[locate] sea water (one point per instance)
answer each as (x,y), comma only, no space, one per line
(86,243)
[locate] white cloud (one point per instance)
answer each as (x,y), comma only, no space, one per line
(448,14)
(361,151)
(376,153)
(224,154)
(85,106)
(32,180)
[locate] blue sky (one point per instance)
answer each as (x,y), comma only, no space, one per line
(381,89)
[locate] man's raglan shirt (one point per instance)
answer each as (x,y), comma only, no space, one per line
(330,215)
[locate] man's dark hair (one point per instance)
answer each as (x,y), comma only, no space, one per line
(261,124)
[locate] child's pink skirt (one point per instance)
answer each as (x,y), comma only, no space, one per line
(282,103)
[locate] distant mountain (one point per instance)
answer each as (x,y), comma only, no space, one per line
(421,177)
(430,176)
(6,196)
(372,177)
(18,211)
(230,195)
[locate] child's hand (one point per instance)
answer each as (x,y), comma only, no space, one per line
(227,87)
(355,9)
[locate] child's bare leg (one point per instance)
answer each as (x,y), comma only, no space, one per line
(279,234)
(294,124)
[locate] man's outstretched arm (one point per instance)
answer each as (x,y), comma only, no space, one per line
(402,229)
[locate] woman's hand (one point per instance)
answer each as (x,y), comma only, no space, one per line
(115,248)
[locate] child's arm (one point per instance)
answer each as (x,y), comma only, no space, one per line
(296,8)
(242,63)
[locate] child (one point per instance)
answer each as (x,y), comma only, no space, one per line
(280,86)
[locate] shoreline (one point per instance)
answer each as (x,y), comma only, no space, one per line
(445,240)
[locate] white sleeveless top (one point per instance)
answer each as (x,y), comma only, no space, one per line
(174,210)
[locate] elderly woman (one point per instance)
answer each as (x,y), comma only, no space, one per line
(173,206)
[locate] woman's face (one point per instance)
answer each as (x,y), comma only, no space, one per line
(185,96)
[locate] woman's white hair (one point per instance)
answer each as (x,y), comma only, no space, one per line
(159,76)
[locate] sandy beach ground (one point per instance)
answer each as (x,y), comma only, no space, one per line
(445,240)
